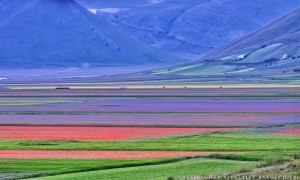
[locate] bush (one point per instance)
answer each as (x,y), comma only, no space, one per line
(244,170)
(171,178)
(297,156)
(275,161)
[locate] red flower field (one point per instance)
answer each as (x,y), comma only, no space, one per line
(95,133)
(31,154)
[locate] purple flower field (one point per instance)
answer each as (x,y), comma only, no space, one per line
(160,105)
(150,110)
(149,120)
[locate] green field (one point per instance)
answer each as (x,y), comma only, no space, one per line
(259,150)
(146,168)
(203,142)
(193,167)
(59,166)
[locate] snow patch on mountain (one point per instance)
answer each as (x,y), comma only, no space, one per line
(155,1)
(107,10)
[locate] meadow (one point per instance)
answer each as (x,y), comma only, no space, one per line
(92,130)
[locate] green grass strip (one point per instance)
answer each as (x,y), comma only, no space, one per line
(192,167)
(202,142)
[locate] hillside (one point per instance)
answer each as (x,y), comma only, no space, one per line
(61,33)
(272,51)
(190,28)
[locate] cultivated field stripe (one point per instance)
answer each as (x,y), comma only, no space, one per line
(33,154)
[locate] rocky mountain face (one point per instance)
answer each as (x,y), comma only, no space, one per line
(61,33)
(190,28)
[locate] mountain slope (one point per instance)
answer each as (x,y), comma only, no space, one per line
(61,33)
(190,28)
(99,4)
(272,51)
(286,30)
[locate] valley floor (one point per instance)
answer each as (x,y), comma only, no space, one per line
(134,131)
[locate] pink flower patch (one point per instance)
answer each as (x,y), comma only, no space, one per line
(95,133)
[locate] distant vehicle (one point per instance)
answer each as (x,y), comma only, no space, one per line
(3,79)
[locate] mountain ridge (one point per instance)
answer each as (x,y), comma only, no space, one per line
(200,26)
(61,33)
(237,46)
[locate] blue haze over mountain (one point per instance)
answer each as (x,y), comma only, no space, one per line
(272,51)
(190,28)
(61,33)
